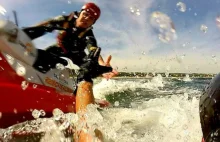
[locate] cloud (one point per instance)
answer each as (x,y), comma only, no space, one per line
(196,46)
(130,31)
(172,63)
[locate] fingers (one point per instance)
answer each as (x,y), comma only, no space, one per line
(115,72)
(108,60)
(108,75)
(97,53)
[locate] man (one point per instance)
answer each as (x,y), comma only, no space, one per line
(72,40)
(209,108)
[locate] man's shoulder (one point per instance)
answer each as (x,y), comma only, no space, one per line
(90,34)
(60,18)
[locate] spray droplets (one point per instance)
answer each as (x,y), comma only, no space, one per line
(178,137)
(24,85)
(34,86)
(10,59)
(43,113)
(180,58)
(60,66)
(143,53)
(204,28)
(69,2)
(164,25)
(194,47)
(181,6)
(20,70)
(15,111)
(135,10)
(57,113)
(167,74)
(116,103)
(2,10)
(125,68)
(214,59)
(37,113)
(218,21)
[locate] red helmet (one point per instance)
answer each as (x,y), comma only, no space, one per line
(93,9)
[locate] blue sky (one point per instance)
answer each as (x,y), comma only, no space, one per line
(131,39)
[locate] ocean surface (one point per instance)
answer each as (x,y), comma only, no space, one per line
(143,110)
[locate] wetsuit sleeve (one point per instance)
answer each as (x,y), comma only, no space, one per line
(91,41)
(45,27)
(56,21)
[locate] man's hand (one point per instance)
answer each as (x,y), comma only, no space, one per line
(91,68)
(107,64)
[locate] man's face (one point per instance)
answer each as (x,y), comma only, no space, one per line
(85,20)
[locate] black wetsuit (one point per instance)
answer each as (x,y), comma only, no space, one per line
(69,44)
(209,108)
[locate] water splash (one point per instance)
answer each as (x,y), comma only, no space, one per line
(20,70)
(214,59)
(10,59)
(60,66)
(2,10)
(180,58)
(57,114)
(168,119)
(135,10)
(143,53)
(167,74)
(154,120)
(187,78)
(37,113)
(164,26)
(104,87)
(181,6)
(24,85)
(116,103)
(69,2)
(218,21)
(34,86)
(204,28)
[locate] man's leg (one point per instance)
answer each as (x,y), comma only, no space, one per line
(84,97)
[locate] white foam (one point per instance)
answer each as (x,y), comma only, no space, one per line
(187,78)
(106,87)
(168,119)
(159,120)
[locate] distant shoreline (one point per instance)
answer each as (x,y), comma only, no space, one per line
(164,75)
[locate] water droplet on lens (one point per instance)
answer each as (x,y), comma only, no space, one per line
(181,6)
(204,28)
